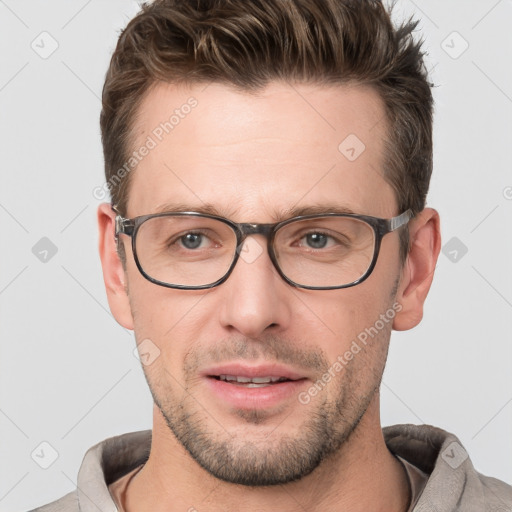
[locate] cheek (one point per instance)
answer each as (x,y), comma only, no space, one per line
(346,315)
(358,351)
(171,319)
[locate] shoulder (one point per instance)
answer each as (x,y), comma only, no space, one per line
(103,464)
(68,503)
(453,482)
(496,493)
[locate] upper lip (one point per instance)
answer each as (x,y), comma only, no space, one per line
(251,371)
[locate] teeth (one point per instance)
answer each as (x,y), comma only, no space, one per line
(261,380)
(254,380)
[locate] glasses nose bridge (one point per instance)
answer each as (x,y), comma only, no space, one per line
(249,228)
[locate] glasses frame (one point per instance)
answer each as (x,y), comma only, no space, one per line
(381,227)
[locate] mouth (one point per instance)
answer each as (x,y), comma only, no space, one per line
(249,387)
(251,382)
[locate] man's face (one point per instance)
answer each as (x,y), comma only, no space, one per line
(254,158)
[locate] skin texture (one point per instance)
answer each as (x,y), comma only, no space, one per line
(254,158)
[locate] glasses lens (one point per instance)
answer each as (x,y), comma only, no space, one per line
(325,251)
(185,250)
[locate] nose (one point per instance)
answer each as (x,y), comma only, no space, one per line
(254,298)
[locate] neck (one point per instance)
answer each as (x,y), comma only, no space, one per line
(363,475)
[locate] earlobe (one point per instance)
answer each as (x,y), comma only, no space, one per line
(114,275)
(418,270)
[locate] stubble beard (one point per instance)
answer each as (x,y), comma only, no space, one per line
(276,457)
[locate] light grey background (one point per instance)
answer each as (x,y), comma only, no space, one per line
(68,374)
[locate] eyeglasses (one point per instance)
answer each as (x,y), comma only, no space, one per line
(193,251)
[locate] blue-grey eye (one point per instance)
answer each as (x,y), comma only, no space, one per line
(192,240)
(317,240)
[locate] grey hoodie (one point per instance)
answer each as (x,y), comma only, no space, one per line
(453,484)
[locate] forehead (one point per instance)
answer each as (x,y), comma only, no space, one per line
(254,155)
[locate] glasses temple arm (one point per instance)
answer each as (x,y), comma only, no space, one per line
(400,220)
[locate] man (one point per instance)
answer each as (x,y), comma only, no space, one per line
(268,163)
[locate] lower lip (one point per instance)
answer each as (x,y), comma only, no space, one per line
(243,397)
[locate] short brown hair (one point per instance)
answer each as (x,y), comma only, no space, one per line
(248,43)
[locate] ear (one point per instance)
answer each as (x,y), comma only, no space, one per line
(114,274)
(418,269)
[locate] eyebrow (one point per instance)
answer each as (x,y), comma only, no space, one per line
(206,208)
(278,215)
(297,211)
